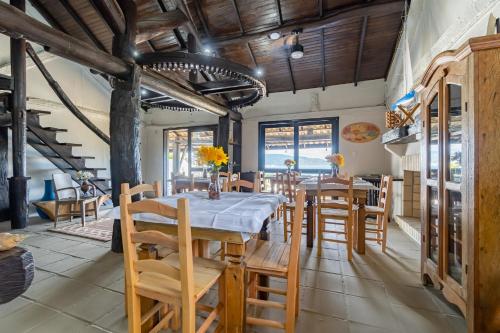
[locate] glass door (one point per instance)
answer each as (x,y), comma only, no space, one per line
(433,199)
(454,184)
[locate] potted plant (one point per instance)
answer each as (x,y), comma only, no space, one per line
(84,176)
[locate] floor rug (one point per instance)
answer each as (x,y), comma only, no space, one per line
(99,230)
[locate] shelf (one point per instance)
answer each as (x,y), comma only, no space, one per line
(405,134)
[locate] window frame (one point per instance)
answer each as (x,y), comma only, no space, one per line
(296,123)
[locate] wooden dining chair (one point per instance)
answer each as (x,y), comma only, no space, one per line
(381,211)
(277,260)
(336,213)
(182,183)
(288,187)
(179,280)
(237,185)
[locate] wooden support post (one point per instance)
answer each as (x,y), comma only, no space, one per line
(124,125)
(237,138)
(4,167)
(18,184)
(223,135)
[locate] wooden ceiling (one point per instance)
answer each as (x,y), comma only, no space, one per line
(344,40)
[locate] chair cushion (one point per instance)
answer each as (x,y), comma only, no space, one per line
(374,210)
(267,257)
(206,273)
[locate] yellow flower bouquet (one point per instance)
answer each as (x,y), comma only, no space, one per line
(336,161)
(213,157)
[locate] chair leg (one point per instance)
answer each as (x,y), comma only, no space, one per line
(297,291)
(222,250)
(384,235)
(252,285)
(285,224)
(222,299)
(349,225)
(176,318)
(71,208)
(82,213)
(320,234)
(57,215)
(134,312)
(96,210)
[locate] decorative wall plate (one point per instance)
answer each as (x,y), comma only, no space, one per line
(360,132)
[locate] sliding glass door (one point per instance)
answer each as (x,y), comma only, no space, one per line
(307,142)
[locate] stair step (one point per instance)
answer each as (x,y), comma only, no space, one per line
(99,179)
(53,129)
(87,169)
(38,112)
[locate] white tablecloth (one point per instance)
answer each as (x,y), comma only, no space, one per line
(240,212)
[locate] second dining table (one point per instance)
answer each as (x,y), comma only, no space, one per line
(232,219)
(360,191)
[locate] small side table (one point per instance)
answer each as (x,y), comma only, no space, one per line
(17,270)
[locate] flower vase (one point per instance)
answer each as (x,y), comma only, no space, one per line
(335,171)
(85,187)
(214,187)
(48,195)
(289,170)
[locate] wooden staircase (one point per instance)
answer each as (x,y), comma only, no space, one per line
(43,139)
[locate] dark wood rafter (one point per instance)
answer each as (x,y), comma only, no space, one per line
(46,15)
(152,26)
(201,16)
(180,40)
(290,70)
(237,11)
(162,5)
(63,97)
(323,59)
(110,14)
(252,55)
(79,21)
(320,8)
(311,24)
(361,46)
(277,3)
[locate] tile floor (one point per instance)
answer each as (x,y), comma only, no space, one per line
(78,287)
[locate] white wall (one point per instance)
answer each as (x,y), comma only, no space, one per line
(349,103)
(89,93)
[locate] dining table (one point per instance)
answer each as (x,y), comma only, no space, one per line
(360,193)
(232,219)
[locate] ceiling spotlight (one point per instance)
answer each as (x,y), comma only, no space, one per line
(259,72)
(207,50)
(274,35)
(135,53)
(297,50)
(143,92)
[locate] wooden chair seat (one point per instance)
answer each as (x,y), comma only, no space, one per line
(268,258)
(206,272)
(374,210)
(332,212)
(339,202)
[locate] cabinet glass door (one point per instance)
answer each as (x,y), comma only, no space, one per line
(453,187)
(433,149)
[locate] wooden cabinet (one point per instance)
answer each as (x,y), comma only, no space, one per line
(460,179)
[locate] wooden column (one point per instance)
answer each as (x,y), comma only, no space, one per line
(223,135)
(237,141)
(4,166)
(18,184)
(124,125)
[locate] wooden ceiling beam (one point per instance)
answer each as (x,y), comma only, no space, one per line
(46,15)
(111,14)
(151,26)
(320,8)
(277,3)
(361,46)
(79,21)
(323,60)
(252,55)
(180,39)
(290,71)
(311,24)
(201,16)
(15,23)
(237,11)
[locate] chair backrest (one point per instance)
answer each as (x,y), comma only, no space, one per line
(61,181)
(182,183)
(297,229)
(261,181)
(347,194)
(180,279)
(241,183)
(154,188)
(288,185)
(385,194)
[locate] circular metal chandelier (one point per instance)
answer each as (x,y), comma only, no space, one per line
(238,84)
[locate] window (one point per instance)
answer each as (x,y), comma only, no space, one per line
(181,145)
(307,142)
